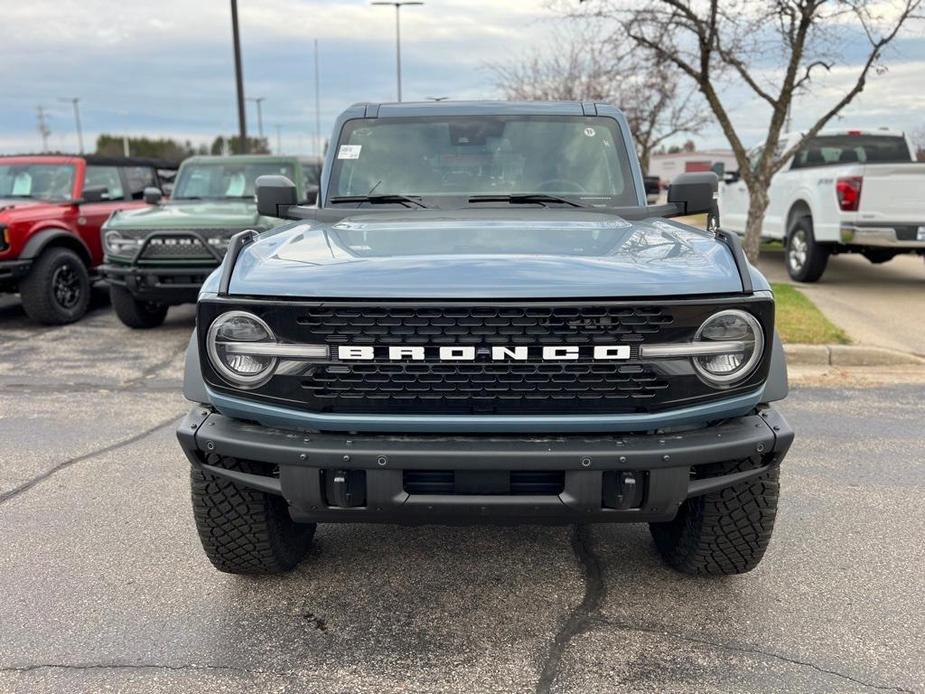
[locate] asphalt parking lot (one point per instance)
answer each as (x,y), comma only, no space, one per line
(103,585)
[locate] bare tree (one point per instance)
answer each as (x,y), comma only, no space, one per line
(582,63)
(707,40)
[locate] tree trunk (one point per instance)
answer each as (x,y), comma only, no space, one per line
(645,155)
(757,206)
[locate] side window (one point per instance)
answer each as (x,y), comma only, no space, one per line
(139,178)
(108,177)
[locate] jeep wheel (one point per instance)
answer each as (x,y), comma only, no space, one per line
(136,314)
(242,530)
(57,289)
(725,532)
(806,259)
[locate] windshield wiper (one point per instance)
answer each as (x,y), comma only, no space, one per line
(406,200)
(525,199)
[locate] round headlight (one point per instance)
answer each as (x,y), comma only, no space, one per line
(230,343)
(117,244)
(742,334)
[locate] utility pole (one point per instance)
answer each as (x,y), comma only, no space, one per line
(80,136)
(239,77)
(258,100)
(397,5)
(318,144)
(44,130)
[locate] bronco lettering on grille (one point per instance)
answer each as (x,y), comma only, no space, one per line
(493,353)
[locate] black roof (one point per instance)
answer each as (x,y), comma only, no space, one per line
(103,160)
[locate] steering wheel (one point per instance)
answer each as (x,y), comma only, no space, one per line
(561,185)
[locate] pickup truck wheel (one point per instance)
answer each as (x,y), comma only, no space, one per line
(725,532)
(57,289)
(136,314)
(245,531)
(806,259)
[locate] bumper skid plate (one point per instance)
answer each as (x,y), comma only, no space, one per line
(619,478)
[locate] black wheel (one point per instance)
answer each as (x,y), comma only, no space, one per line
(57,289)
(136,314)
(806,259)
(242,530)
(724,532)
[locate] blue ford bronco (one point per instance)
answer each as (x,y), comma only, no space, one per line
(483,322)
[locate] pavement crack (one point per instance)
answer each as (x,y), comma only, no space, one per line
(136,666)
(582,616)
(156,367)
(750,650)
(29,484)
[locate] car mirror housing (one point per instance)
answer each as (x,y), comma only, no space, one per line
(275,195)
(95,194)
(693,192)
(153,195)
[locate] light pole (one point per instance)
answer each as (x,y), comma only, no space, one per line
(318,146)
(397,5)
(239,77)
(258,100)
(80,136)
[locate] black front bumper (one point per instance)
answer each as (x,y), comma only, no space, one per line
(11,271)
(165,285)
(342,478)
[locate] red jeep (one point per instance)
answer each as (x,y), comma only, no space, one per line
(51,211)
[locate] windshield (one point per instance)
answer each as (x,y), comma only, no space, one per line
(39,181)
(222,180)
(453,158)
(830,150)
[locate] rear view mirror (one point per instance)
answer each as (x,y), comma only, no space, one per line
(153,195)
(693,192)
(95,194)
(275,195)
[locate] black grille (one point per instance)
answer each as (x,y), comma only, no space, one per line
(519,482)
(176,248)
(474,325)
(445,384)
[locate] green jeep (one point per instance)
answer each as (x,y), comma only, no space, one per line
(159,256)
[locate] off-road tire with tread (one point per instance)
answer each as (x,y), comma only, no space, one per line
(245,531)
(139,315)
(37,289)
(724,532)
(816,254)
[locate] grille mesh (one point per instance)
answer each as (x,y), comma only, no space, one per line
(474,325)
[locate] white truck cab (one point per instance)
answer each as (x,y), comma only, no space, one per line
(845,191)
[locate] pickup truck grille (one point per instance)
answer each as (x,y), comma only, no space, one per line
(484,385)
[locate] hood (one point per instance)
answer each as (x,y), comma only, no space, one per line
(8,204)
(198,214)
(485,254)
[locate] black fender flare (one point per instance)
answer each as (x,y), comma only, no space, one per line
(777,386)
(194,388)
(40,240)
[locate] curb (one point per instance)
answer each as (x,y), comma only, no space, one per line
(848,355)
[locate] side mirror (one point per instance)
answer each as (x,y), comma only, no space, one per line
(693,192)
(153,195)
(95,194)
(731,177)
(275,194)
(311,194)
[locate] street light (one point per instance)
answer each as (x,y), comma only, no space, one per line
(397,5)
(258,100)
(238,77)
(80,136)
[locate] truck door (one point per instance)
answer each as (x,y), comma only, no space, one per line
(94,212)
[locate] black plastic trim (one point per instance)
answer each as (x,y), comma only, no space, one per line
(734,244)
(237,243)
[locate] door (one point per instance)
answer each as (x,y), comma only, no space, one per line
(91,215)
(733,198)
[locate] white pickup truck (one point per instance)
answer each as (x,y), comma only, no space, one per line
(845,191)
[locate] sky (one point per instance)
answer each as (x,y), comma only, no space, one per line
(166,68)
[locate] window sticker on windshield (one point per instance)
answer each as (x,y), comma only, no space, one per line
(349,151)
(589,132)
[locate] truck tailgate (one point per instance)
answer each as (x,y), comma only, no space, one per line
(893,192)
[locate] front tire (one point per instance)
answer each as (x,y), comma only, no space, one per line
(57,289)
(139,315)
(245,531)
(725,532)
(806,259)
